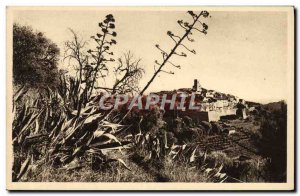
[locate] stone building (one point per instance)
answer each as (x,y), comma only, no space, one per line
(197,88)
(212,105)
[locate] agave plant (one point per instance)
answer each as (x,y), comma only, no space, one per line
(23,122)
(197,158)
(68,134)
(89,132)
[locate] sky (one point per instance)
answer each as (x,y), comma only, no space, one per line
(244,53)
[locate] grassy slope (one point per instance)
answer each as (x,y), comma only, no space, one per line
(173,171)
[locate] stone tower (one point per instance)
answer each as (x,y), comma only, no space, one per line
(197,87)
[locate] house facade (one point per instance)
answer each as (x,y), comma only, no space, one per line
(212,105)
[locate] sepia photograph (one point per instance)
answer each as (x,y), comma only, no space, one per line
(150,98)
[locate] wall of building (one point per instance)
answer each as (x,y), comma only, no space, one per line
(216,115)
(199,116)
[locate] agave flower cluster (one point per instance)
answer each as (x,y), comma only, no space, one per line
(189,27)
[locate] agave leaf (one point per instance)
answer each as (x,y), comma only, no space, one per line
(98,133)
(17,125)
(110,145)
(67,124)
(95,151)
(216,171)
(89,141)
(88,110)
(223,179)
(124,164)
(20,93)
(69,134)
(37,126)
(207,171)
(65,158)
(220,168)
(129,136)
(83,136)
(58,127)
(222,175)
(48,92)
(192,158)
(75,126)
(28,123)
(76,151)
(55,139)
(22,114)
(166,140)
(114,126)
(14,109)
(204,156)
(174,146)
(92,118)
(35,103)
(59,96)
(37,138)
(71,131)
(28,120)
(74,164)
(68,112)
(217,175)
(203,167)
(112,137)
(74,112)
(102,143)
(24,167)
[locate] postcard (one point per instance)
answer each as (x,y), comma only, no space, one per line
(150,98)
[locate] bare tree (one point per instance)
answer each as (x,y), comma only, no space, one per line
(74,51)
(128,73)
(71,87)
(178,40)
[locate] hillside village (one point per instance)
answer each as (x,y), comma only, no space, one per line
(213,105)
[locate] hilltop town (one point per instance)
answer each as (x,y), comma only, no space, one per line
(213,105)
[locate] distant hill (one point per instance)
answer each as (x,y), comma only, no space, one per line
(252,104)
(273,106)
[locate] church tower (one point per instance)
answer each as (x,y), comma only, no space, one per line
(197,87)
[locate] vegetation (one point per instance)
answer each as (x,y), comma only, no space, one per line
(272,140)
(35,58)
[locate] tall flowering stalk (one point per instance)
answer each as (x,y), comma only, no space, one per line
(195,25)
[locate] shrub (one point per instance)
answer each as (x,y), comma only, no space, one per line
(35,58)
